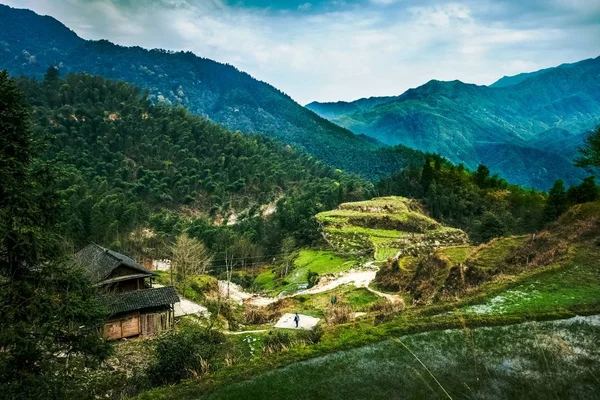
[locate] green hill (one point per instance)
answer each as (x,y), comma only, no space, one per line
(30,43)
(125,163)
(514,129)
(386,226)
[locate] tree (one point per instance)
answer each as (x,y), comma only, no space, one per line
(50,311)
(491,227)
(52,75)
(557,202)
(482,176)
(590,153)
(288,245)
(189,257)
(585,192)
(427,175)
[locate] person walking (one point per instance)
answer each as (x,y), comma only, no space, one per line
(296,319)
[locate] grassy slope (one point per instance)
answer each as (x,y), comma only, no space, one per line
(429,318)
(322,262)
(564,288)
(533,360)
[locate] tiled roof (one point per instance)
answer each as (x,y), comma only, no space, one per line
(140,299)
(100,262)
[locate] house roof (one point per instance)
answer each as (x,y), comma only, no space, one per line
(140,299)
(100,262)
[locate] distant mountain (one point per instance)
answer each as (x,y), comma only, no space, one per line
(516,79)
(526,128)
(30,43)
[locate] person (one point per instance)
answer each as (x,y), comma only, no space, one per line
(296,319)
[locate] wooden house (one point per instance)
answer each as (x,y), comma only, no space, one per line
(135,306)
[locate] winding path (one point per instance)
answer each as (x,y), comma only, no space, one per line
(361,278)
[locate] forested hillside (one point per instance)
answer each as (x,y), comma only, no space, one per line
(124,164)
(514,128)
(30,43)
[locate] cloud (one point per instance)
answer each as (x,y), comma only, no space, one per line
(331,50)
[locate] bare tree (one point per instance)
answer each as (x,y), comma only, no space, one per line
(189,257)
(287,249)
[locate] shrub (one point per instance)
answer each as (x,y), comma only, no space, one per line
(386,310)
(338,313)
(184,354)
(312,336)
(256,316)
(277,340)
(219,305)
(312,278)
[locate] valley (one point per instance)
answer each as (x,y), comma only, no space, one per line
(173,228)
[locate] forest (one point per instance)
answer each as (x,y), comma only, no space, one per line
(85,159)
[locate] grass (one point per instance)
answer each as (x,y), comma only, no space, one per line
(265,281)
(577,283)
(493,254)
(319,261)
(457,255)
(315,305)
(385,253)
(378,233)
(561,291)
(532,360)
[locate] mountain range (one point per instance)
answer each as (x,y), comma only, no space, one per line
(527,127)
(30,43)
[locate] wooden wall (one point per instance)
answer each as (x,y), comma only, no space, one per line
(141,323)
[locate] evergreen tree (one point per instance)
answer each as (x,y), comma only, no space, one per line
(491,227)
(590,153)
(427,175)
(482,176)
(52,75)
(585,192)
(557,202)
(49,310)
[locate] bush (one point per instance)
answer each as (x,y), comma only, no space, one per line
(277,340)
(312,336)
(219,305)
(339,313)
(312,278)
(257,316)
(185,354)
(386,310)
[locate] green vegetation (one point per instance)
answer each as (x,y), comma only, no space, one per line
(575,283)
(384,226)
(514,130)
(484,206)
(479,363)
(220,92)
(50,311)
(135,175)
(321,262)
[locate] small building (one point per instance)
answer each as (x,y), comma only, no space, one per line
(135,306)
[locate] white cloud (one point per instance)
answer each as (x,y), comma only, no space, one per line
(348,51)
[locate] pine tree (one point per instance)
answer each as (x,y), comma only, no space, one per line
(557,203)
(49,309)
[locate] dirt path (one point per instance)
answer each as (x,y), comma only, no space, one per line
(361,278)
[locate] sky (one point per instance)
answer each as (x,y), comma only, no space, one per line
(331,50)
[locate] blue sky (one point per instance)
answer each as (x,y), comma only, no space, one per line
(330,50)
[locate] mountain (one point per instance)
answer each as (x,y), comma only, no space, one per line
(527,128)
(30,43)
(124,164)
(516,79)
